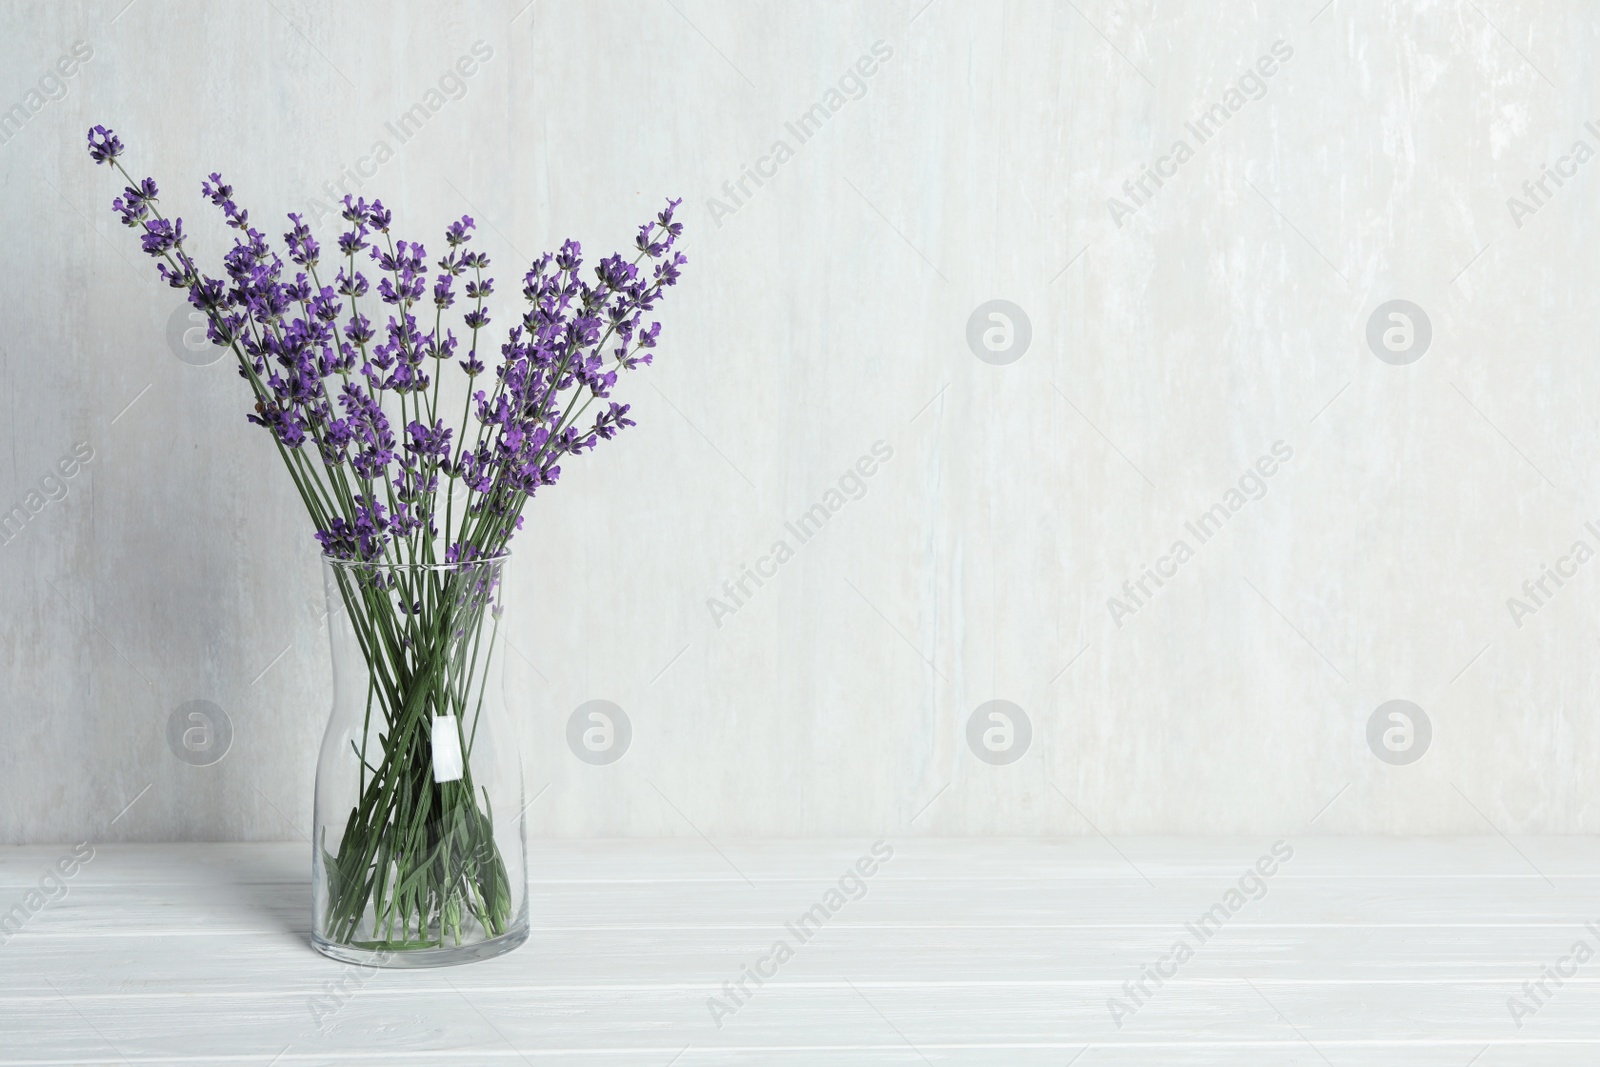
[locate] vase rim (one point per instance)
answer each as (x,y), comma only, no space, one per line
(383,565)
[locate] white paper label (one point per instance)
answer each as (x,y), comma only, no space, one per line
(447,766)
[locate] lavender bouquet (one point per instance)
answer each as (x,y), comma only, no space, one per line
(413,512)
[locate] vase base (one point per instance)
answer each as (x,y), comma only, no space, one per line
(441,956)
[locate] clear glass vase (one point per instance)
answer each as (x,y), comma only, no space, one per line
(419,851)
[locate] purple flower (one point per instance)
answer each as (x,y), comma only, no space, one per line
(358,330)
(351,284)
(428,440)
(609,423)
(103,145)
(162,236)
(444,348)
(303,248)
(442,295)
(291,335)
(221,194)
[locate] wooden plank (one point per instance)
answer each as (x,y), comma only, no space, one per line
(1002,859)
(973,952)
(428,1013)
(241,963)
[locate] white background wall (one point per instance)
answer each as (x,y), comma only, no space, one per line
(830,312)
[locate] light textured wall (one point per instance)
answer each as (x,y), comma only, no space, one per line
(1174,341)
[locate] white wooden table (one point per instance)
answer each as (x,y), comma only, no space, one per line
(1361,951)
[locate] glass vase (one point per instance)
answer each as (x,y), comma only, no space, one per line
(419,852)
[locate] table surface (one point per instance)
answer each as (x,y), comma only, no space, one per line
(1351,951)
